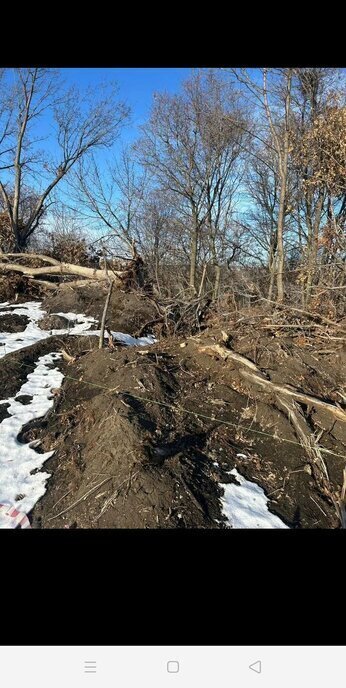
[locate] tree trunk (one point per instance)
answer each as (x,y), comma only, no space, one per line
(217,282)
(272,262)
(313,251)
(282,154)
(280,236)
(193,251)
(272,265)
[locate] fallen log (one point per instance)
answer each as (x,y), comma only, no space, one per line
(44,283)
(40,256)
(59,269)
(257,377)
(294,394)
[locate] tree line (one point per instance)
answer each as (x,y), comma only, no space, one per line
(240,177)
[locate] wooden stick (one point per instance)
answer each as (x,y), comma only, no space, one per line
(227,353)
(67,357)
(104,315)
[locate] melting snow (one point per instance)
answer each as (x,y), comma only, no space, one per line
(22,482)
(78,324)
(246,505)
(20,463)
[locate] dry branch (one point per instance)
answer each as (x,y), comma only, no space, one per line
(294,394)
(40,256)
(67,357)
(227,353)
(308,314)
(308,441)
(258,378)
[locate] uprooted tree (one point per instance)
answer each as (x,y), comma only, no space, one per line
(132,274)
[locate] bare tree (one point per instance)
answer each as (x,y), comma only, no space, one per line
(82,124)
(112,198)
(318,144)
(191,144)
(273,97)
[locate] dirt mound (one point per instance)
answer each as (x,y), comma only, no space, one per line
(20,287)
(147,437)
(144,438)
(120,462)
(13,322)
(54,322)
(15,367)
(128,311)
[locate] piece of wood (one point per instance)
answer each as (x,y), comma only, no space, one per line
(44,283)
(40,256)
(285,390)
(224,353)
(67,357)
(257,377)
(60,269)
(306,438)
(104,314)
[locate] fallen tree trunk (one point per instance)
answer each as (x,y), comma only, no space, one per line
(59,269)
(294,394)
(132,274)
(257,377)
(40,256)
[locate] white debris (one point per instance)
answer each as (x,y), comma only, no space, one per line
(246,505)
(242,456)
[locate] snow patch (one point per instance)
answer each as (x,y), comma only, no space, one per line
(132,341)
(246,505)
(21,481)
(78,324)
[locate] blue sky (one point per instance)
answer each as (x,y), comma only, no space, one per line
(136,85)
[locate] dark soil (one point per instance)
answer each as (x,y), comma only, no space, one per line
(128,311)
(15,367)
(13,322)
(160,463)
(144,437)
(3,412)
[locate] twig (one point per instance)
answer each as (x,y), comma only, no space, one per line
(83,497)
(114,495)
